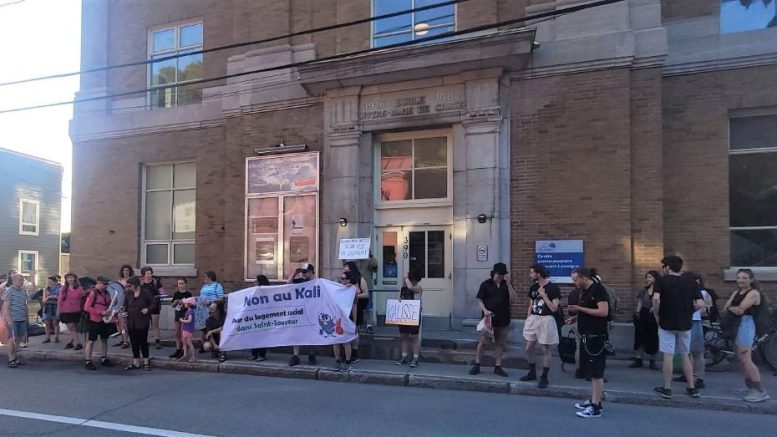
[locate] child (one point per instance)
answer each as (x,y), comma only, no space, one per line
(187,329)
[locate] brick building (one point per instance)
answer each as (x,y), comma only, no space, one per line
(640,128)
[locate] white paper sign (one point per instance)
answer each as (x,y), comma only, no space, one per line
(311,313)
(354,248)
(403,312)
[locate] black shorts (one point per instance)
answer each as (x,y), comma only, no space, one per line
(411,330)
(100,329)
(593,357)
(68,318)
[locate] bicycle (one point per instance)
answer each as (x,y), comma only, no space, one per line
(720,355)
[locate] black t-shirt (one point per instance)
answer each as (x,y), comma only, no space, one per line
(538,306)
(180,296)
(300,280)
(497,300)
(212,323)
(677,295)
(590,298)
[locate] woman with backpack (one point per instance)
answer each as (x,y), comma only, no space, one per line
(70,306)
(645,326)
(744,303)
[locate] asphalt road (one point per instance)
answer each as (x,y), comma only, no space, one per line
(221,404)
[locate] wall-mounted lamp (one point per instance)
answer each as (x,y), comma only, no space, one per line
(535,45)
(280,148)
(343,222)
(482,218)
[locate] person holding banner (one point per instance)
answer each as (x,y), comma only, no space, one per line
(409,334)
(360,303)
(260,354)
(306,272)
(343,365)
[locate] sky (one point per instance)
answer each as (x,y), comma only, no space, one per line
(38,38)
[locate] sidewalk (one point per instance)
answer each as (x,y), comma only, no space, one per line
(630,386)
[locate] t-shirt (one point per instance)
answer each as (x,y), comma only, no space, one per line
(538,306)
(212,291)
(496,298)
(677,295)
(646,298)
(590,298)
(17,299)
(698,313)
(214,323)
(188,327)
(178,296)
(300,280)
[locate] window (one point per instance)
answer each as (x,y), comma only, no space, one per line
(29,217)
(169,215)
(414,169)
(753,191)
(745,15)
(168,78)
(28,261)
(410,26)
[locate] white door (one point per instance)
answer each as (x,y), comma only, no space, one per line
(426,248)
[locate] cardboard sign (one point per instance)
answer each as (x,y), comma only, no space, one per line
(354,248)
(403,312)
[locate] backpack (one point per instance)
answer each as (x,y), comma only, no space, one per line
(764,317)
(714,313)
(612,303)
(567,348)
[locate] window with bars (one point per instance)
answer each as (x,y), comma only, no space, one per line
(168,78)
(169,214)
(753,191)
(411,26)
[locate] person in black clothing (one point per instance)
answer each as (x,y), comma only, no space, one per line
(540,326)
(139,304)
(213,327)
(306,272)
(153,285)
(494,301)
(260,354)
(180,312)
(592,315)
(645,327)
(409,334)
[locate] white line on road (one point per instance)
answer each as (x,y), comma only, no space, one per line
(97,424)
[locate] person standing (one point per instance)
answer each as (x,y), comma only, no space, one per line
(69,306)
(211,291)
(675,298)
(360,304)
(592,314)
(182,292)
(96,307)
(186,324)
(343,362)
(153,286)
(645,327)
(125,272)
(743,303)
(50,321)
(697,335)
(409,334)
(15,316)
(260,354)
(540,326)
(306,272)
(139,304)
(494,298)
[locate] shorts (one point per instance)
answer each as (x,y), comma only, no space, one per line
(410,330)
(99,329)
(542,329)
(186,335)
(68,318)
(500,335)
(746,332)
(674,342)
(18,329)
(593,358)
(697,337)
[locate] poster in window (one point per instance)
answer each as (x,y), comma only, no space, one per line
(299,249)
(283,174)
(264,225)
(297,224)
(266,249)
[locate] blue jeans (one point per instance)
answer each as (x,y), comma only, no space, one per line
(746,332)
(19,329)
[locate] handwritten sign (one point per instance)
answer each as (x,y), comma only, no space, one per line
(404,312)
(354,248)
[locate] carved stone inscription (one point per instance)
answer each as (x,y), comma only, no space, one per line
(412,103)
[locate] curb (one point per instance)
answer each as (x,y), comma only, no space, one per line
(420,380)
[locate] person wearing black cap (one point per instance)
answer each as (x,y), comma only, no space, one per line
(494,301)
(97,302)
(306,272)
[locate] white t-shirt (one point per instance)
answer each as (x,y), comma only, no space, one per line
(706,296)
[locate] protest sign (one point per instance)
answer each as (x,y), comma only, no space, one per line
(311,313)
(354,248)
(403,312)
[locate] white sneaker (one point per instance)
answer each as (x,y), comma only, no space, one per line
(590,413)
(586,404)
(756,396)
(22,345)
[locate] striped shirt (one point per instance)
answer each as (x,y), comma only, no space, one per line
(17,300)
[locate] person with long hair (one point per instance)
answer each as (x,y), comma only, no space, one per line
(125,272)
(96,307)
(260,354)
(360,304)
(211,291)
(645,327)
(409,334)
(138,305)
(343,362)
(181,293)
(50,321)
(153,285)
(69,307)
(743,303)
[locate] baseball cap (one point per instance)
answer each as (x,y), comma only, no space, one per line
(307,267)
(104,280)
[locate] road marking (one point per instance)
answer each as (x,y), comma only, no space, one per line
(97,424)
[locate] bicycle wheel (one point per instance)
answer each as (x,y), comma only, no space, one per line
(769,349)
(714,350)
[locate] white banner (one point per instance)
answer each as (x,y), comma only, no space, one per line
(354,248)
(311,313)
(403,312)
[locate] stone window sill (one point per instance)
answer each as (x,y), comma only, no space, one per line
(767,274)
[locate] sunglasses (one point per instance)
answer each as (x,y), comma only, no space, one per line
(343,279)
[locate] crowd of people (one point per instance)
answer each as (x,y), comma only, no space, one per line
(672,312)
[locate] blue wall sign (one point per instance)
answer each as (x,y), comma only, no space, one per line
(560,257)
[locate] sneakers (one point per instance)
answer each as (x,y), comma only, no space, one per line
(475,369)
(755,396)
(693,392)
(664,392)
(90,366)
(414,363)
(294,360)
(590,412)
(338,366)
(401,362)
(355,356)
(585,404)
(105,362)
(700,383)
(636,364)
(78,347)
(498,370)
(345,367)
(312,359)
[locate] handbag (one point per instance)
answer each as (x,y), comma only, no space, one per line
(484,325)
(729,324)
(567,348)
